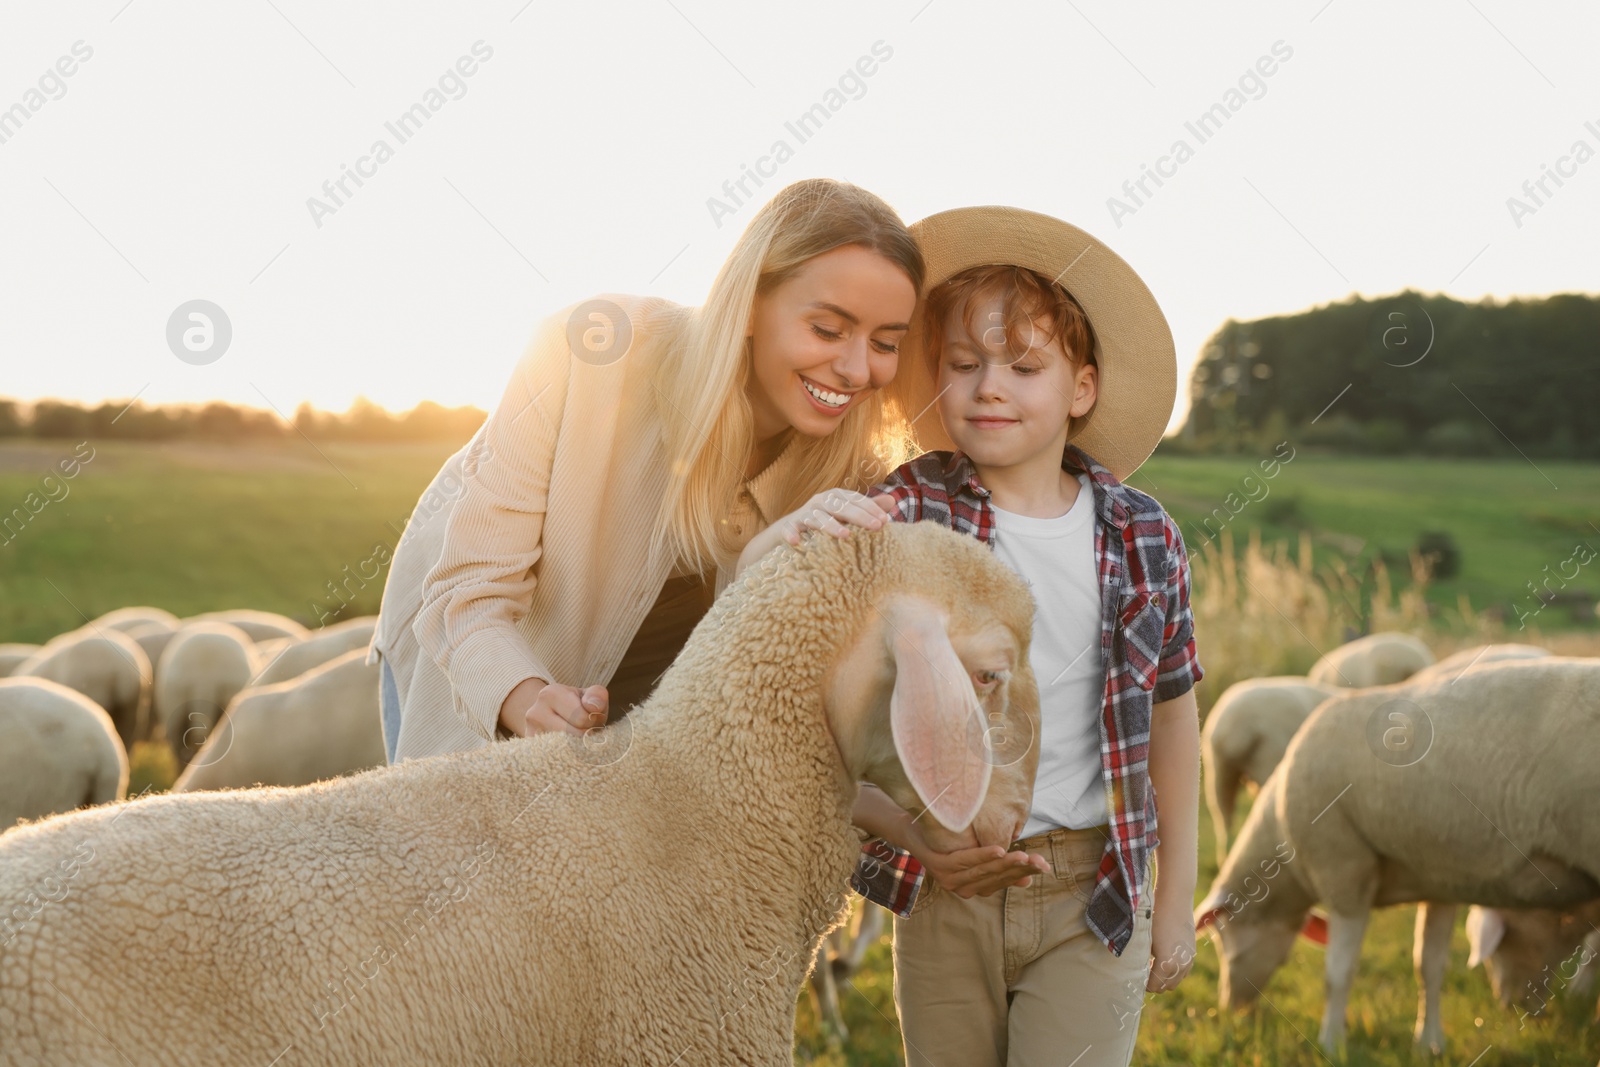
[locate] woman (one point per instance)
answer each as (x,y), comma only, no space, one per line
(588,525)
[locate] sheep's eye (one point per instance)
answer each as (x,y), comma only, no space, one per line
(987,678)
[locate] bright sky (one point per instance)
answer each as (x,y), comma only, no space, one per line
(176,162)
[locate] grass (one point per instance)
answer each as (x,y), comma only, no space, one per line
(197,528)
(1510,519)
(193,529)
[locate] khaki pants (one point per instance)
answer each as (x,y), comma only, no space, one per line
(1016,979)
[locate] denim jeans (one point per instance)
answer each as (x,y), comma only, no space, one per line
(389,701)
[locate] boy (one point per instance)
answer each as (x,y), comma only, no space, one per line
(1012,959)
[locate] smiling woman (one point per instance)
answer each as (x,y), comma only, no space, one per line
(605,501)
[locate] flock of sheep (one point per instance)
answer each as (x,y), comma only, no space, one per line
(241,697)
(662,886)
(1385,778)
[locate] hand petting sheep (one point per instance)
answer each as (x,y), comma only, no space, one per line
(652,892)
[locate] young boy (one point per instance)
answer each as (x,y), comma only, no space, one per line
(1016,959)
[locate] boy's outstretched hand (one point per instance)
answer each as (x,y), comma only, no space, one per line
(983,870)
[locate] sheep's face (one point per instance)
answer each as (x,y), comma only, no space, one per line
(1250,950)
(1531,954)
(940,709)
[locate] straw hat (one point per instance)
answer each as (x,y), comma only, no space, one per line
(1138,363)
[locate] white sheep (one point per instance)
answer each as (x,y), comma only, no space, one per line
(1439,791)
(1247,732)
(1533,955)
(1377,659)
(58,751)
(318,725)
(12,656)
(260,625)
(1451,667)
(299,656)
(107,666)
(651,893)
(126,619)
(153,637)
(202,669)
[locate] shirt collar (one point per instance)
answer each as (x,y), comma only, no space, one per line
(1110,496)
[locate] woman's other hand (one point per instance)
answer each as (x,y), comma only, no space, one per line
(536,706)
(835,511)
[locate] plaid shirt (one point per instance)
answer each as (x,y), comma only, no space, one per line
(1146,650)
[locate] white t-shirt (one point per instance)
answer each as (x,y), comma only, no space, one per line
(1056,558)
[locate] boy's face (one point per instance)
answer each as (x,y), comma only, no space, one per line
(1003,410)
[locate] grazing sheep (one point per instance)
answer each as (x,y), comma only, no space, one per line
(1439,792)
(202,669)
(1377,659)
(298,657)
(1450,668)
(1534,954)
(153,638)
(320,725)
(107,666)
(1246,734)
(126,619)
(653,892)
(12,656)
(259,625)
(58,751)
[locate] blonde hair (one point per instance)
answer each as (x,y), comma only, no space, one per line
(708,429)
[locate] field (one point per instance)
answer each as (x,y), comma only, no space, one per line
(291,529)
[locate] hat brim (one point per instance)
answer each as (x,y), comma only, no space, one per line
(1138,365)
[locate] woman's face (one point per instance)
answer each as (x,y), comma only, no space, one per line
(824,337)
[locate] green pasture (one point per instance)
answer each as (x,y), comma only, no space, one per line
(195,527)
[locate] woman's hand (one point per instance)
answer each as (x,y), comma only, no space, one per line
(835,511)
(536,706)
(831,510)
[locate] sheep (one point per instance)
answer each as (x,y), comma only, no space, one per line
(1377,659)
(107,666)
(12,655)
(1408,793)
(1450,668)
(125,619)
(651,892)
(58,751)
(259,625)
(1532,954)
(319,725)
(153,637)
(298,657)
(202,669)
(1246,734)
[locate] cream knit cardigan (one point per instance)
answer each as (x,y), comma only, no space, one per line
(527,556)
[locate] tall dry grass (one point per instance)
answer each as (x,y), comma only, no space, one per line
(1264,611)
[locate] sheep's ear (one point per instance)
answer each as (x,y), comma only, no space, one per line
(1316,928)
(937,723)
(1486,927)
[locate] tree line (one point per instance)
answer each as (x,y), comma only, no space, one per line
(218,421)
(1403,374)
